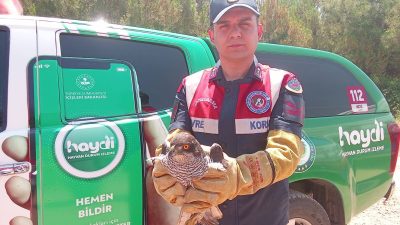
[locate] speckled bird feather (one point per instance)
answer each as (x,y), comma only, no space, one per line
(185,160)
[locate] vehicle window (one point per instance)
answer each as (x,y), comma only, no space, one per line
(160,68)
(4,52)
(325,83)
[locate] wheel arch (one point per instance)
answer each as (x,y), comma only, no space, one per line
(325,194)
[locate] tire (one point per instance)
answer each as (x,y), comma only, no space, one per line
(304,210)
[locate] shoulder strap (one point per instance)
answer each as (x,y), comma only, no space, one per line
(191,84)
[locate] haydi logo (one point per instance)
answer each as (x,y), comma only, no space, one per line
(363,137)
(92,147)
(90,150)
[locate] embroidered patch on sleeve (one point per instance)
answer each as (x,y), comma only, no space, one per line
(294,85)
(293,108)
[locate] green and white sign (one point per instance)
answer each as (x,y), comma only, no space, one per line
(87,142)
(90,150)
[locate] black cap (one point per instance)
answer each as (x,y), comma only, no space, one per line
(219,7)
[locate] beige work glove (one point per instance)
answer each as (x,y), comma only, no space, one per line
(166,185)
(247,173)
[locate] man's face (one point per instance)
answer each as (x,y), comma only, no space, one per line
(236,34)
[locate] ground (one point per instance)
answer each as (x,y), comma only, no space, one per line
(382,213)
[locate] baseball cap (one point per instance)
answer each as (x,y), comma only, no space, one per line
(219,7)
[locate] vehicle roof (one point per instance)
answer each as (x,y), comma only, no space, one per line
(95,24)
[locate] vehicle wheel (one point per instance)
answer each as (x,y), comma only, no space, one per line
(304,210)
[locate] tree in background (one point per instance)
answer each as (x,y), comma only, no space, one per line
(391,40)
(291,22)
(354,29)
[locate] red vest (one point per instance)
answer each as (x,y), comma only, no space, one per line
(254,106)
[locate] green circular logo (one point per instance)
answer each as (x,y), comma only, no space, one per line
(90,150)
(308,157)
(85,82)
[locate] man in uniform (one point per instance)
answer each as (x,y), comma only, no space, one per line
(253,111)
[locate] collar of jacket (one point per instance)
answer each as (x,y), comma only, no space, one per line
(254,72)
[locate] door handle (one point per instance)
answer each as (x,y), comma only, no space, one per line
(14,168)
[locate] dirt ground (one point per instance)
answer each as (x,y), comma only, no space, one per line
(383,213)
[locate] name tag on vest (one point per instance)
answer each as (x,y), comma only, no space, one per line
(252,126)
(205,125)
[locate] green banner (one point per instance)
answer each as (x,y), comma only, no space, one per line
(87,143)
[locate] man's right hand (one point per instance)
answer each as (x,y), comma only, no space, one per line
(18,188)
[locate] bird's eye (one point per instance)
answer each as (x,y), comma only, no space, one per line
(185,147)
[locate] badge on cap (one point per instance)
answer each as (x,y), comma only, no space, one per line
(258,102)
(294,85)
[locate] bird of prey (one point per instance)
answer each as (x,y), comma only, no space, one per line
(185,159)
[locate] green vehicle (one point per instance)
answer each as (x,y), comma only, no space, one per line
(94,100)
